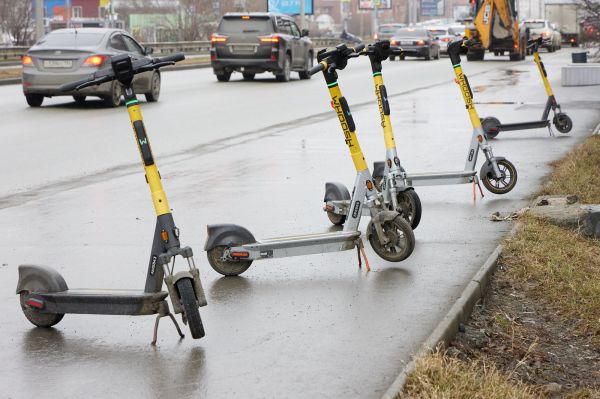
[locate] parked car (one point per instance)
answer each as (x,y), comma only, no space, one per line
(386,31)
(443,36)
(457,31)
(550,34)
(67,55)
(416,42)
(253,43)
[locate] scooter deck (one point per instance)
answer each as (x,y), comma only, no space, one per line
(440,178)
(100,301)
(301,245)
(505,127)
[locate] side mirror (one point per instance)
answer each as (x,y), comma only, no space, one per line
(148,50)
(304,32)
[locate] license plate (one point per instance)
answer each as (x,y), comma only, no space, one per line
(58,63)
(243,49)
(406,43)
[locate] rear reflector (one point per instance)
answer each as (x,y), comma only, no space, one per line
(245,16)
(217,38)
(95,60)
(240,254)
(27,60)
(35,303)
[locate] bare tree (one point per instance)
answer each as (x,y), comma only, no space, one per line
(15,19)
(591,10)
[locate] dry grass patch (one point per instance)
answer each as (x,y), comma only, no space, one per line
(10,73)
(441,376)
(577,173)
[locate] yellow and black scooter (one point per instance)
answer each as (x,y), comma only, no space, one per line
(563,123)
(45,296)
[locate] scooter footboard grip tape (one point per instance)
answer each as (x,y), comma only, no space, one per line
(140,133)
(384,100)
(347,114)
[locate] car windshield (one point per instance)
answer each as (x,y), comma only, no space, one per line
(389,29)
(412,32)
(71,39)
(250,25)
(438,32)
(535,25)
(458,31)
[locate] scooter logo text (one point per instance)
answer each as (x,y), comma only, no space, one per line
(471,154)
(380,103)
(356,210)
(153,265)
(340,113)
(464,87)
(143,141)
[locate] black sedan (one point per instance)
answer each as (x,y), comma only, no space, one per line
(416,42)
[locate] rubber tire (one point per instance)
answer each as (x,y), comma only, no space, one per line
(226,268)
(512,182)
(402,57)
(80,100)
(411,196)
(154,93)
(248,76)
(476,55)
(44,320)
(563,123)
(223,77)
(34,100)
(335,219)
(489,123)
(284,76)
(190,307)
(397,223)
(515,56)
(112,100)
(304,75)
(392,58)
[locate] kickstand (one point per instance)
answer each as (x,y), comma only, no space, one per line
(160,316)
(476,183)
(551,131)
(360,250)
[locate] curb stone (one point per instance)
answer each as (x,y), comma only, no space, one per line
(458,314)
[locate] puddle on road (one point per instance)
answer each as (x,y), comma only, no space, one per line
(510,78)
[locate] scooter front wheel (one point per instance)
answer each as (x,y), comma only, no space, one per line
(38,318)
(227,267)
(506,181)
(563,123)
(190,307)
(409,205)
(400,239)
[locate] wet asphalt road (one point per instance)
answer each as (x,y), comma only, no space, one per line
(256,154)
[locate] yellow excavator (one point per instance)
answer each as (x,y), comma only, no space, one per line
(495,28)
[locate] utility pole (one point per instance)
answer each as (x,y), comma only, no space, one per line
(374,18)
(302,25)
(68,12)
(39,19)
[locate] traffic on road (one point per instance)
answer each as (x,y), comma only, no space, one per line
(355,275)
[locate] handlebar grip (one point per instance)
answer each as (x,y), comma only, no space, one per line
(317,68)
(74,85)
(171,58)
(359,48)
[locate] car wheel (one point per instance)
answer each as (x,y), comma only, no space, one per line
(284,75)
(34,100)
(223,76)
(154,93)
(114,98)
(79,99)
(392,57)
(309,64)
(402,57)
(248,76)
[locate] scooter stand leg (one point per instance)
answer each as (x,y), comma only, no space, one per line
(360,250)
(160,316)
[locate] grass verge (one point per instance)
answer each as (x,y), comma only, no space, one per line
(537,332)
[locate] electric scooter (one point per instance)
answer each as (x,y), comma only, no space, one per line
(563,123)
(231,248)
(44,294)
(498,174)
(395,195)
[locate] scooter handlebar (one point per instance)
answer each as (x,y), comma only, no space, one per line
(317,68)
(457,47)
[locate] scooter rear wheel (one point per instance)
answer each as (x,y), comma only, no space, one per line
(226,267)
(490,127)
(505,183)
(401,239)
(410,207)
(336,219)
(190,307)
(563,123)
(38,318)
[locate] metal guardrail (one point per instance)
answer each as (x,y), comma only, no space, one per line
(199,47)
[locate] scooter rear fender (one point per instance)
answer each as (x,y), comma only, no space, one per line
(228,235)
(336,192)
(34,278)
